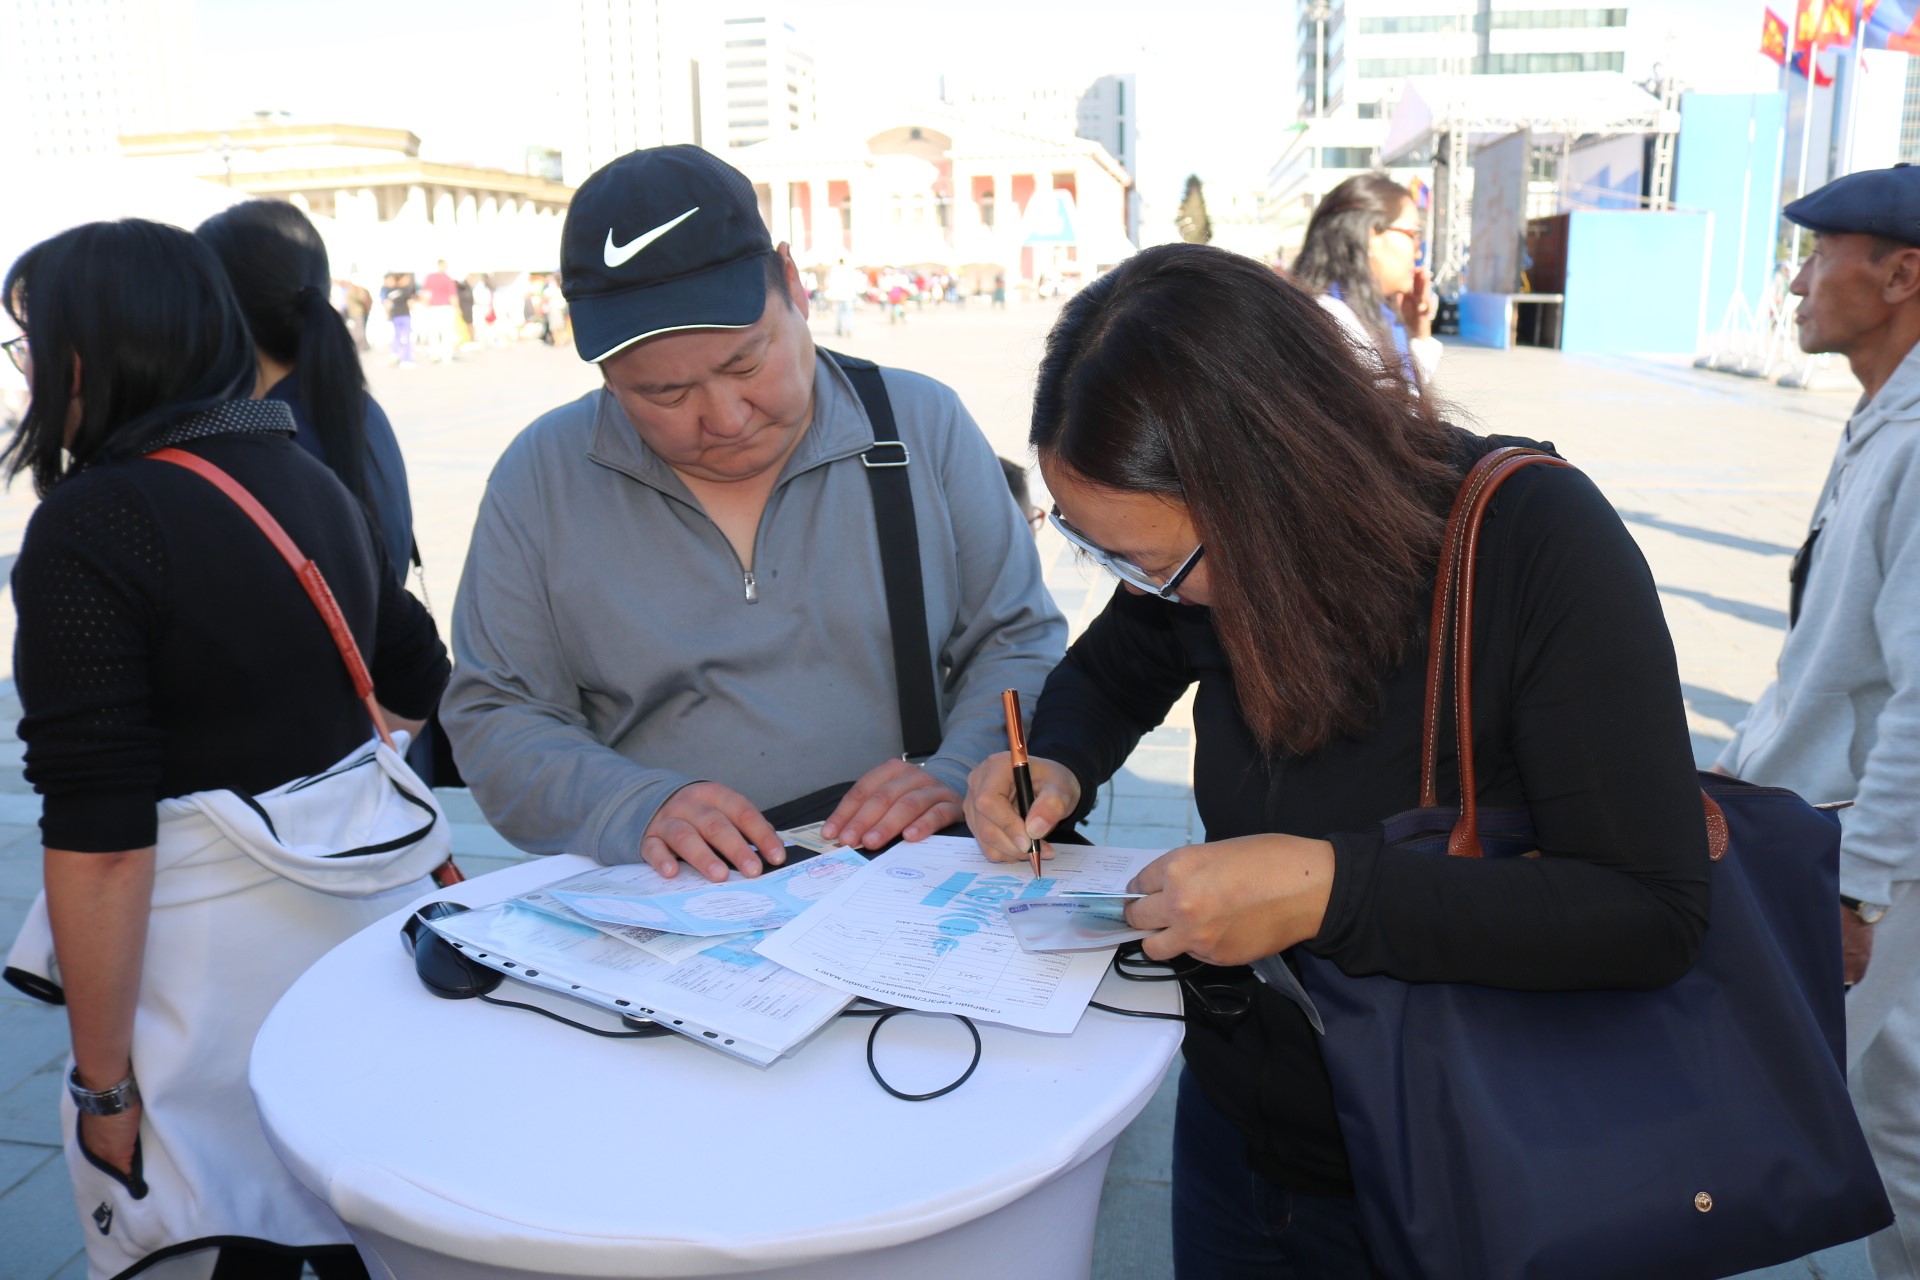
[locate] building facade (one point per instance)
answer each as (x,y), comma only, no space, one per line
(1910,115)
(632,73)
(1353,55)
(940,190)
(758,82)
(76,74)
(377,204)
(1103,110)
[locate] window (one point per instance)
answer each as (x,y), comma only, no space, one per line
(1532,19)
(1346,157)
(744,22)
(1394,68)
(759,43)
(1368,110)
(1412,26)
(742,64)
(1501,64)
(746,84)
(741,104)
(746,124)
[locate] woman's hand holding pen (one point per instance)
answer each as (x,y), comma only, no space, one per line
(1232,901)
(996,824)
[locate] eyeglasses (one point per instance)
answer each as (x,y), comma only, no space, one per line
(16,349)
(1411,233)
(1126,570)
(1036,519)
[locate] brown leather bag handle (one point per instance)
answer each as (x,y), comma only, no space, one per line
(315,585)
(1453,621)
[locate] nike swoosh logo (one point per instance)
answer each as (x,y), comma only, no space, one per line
(617,255)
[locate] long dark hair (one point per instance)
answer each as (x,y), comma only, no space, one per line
(1338,244)
(278,265)
(159,335)
(1318,487)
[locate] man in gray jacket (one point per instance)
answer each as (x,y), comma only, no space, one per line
(1842,719)
(673,615)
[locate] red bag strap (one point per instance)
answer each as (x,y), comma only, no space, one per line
(305,569)
(1453,623)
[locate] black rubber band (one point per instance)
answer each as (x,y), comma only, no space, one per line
(881,1021)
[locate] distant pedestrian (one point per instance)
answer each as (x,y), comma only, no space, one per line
(398,301)
(1000,289)
(844,287)
(1841,721)
(438,333)
(1361,256)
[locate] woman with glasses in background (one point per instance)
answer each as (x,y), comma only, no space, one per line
(1362,256)
(1273,509)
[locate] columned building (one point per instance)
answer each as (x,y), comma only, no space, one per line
(378,205)
(936,189)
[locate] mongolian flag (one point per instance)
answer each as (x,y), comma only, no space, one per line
(1836,24)
(1892,24)
(1822,78)
(1806,25)
(1773,37)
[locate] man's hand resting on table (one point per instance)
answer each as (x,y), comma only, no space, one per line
(893,799)
(708,826)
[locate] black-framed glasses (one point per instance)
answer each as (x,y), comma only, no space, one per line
(16,349)
(1124,569)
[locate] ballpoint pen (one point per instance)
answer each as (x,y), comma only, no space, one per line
(1022,776)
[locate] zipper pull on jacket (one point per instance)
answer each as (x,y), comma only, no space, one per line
(753,588)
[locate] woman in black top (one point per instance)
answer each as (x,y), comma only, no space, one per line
(277,265)
(1274,511)
(164,648)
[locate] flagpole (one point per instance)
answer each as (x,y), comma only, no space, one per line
(1853,85)
(1806,120)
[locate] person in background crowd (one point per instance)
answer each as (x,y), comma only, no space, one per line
(464,304)
(354,309)
(1361,256)
(844,287)
(438,333)
(275,259)
(1022,495)
(586,715)
(1208,435)
(165,651)
(1841,721)
(485,320)
(398,300)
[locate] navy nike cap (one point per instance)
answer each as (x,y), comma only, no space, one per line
(1874,202)
(658,240)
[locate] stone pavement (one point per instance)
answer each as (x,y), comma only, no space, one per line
(1715,476)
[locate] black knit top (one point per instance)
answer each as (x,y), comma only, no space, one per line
(164,647)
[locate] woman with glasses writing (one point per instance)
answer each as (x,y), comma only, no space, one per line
(1274,510)
(1361,256)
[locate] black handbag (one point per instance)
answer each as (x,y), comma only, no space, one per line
(1695,1131)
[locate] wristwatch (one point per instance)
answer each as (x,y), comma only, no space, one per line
(1869,912)
(103,1102)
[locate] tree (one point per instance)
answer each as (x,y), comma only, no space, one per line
(1195,227)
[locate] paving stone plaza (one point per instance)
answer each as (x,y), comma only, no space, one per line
(1715,476)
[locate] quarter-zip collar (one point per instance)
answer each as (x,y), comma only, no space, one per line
(839,430)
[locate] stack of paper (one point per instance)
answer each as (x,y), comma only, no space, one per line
(923,927)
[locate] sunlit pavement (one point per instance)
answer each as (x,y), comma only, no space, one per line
(1715,476)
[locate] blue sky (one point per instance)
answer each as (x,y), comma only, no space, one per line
(481,79)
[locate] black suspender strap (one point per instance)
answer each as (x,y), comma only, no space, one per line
(886,464)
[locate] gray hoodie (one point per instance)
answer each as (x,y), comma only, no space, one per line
(1841,721)
(608,652)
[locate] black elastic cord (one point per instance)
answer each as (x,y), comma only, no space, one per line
(577,1026)
(880,1017)
(1136,1013)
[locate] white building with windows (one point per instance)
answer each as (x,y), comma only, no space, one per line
(76,74)
(759,81)
(1352,57)
(632,72)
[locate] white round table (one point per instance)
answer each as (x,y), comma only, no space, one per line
(458,1139)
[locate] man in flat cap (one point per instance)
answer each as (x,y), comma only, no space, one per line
(742,584)
(1841,720)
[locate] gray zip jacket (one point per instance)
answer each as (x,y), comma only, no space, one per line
(611,648)
(1841,721)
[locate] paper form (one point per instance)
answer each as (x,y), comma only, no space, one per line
(922,927)
(670,947)
(727,990)
(737,904)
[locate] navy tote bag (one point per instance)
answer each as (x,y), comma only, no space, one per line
(1696,1131)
